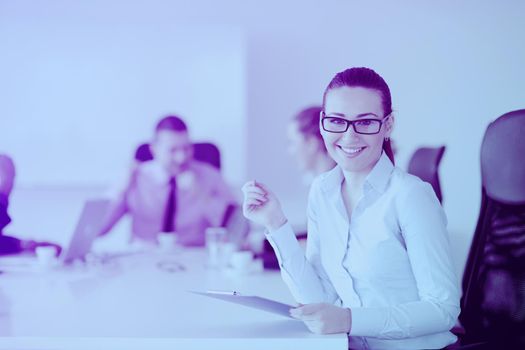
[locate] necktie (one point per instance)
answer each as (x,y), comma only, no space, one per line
(171,207)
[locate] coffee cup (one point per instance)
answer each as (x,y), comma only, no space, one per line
(241,260)
(46,255)
(167,240)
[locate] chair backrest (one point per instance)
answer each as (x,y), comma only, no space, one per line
(493,301)
(425,165)
(143,153)
(202,151)
(207,152)
(503,158)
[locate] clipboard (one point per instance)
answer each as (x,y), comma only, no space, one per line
(252,301)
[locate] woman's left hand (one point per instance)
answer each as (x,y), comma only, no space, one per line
(324,318)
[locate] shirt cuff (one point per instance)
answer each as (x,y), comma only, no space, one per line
(284,243)
(367,322)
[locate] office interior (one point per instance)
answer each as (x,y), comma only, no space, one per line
(83,83)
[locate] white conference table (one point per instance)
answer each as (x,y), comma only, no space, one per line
(131,303)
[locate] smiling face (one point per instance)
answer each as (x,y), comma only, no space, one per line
(355,152)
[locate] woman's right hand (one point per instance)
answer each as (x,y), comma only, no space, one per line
(262,206)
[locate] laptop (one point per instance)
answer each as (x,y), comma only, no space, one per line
(86,231)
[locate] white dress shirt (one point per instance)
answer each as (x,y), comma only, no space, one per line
(390,263)
(202,198)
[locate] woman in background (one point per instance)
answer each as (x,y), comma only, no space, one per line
(377,264)
(306,144)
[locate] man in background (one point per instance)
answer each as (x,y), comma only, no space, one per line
(173,192)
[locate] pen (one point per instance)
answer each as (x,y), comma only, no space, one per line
(221,292)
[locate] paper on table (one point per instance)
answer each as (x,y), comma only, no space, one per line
(252,301)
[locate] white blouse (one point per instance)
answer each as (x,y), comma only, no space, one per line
(390,263)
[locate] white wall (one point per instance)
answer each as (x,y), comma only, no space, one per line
(83,85)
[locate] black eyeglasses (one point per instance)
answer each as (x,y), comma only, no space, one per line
(364,126)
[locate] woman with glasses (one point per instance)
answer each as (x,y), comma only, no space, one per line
(377,263)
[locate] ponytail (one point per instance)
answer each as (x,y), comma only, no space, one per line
(387,147)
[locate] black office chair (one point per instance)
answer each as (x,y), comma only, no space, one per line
(493,302)
(143,153)
(203,151)
(207,152)
(425,164)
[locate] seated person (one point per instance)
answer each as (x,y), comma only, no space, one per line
(306,144)
(8,244)
(172,192)
(377,264)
